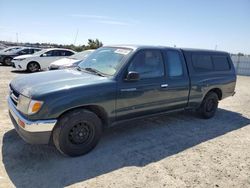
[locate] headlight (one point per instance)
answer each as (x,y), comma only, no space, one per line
(20,59)
(28,106)
(52,67)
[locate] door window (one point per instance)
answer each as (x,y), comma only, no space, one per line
(148,63)
(49,53)
(25,51)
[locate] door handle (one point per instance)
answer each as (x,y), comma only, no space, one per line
(164,85)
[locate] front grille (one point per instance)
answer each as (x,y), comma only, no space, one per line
(14,95)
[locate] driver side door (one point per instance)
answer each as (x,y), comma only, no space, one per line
(146,95)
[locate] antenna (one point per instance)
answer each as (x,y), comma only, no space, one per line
(215,47)
(76,36)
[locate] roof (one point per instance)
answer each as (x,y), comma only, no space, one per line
(135,47)
(201,50)
(59,49)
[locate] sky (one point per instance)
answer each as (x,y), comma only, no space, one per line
(212,24)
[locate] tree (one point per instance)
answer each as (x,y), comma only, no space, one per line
(94,44)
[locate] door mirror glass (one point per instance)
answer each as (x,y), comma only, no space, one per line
(133,76)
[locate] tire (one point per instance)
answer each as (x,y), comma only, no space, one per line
(77,132)
(33,67)
(7,61)
(209,105)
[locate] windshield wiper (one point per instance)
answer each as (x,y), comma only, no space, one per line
(94,71)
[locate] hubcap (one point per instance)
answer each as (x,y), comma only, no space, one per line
(80,133)
(33,67)
(8,61)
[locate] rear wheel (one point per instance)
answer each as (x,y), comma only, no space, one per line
(33,67)
(209,105)
(77,132)
(7,61)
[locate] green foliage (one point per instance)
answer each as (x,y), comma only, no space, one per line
(240,54)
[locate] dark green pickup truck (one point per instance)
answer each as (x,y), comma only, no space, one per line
(70,108)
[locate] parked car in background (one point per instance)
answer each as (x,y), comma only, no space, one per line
(7,49)
(40,60)
(7,56)
(71,61)
(2,46)
(117,83)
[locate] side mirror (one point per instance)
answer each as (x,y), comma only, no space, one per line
(132,76)
(43,55)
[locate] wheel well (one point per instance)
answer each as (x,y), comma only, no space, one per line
(33,62)
(217,91)
(8,57)
(99,111)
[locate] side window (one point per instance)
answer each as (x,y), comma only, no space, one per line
(202,63)
(48,54)
(36,50)
(62,53)
(23,52)
(68,53)
(57,53)
(174,63)
(148,63)
(221,63)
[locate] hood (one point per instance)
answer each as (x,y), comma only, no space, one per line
(38,84)
(63,61)
(23,56)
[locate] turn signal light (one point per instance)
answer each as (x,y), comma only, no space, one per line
(21,123)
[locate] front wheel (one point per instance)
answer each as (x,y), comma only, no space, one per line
(77,132)
(209,105)
(7,61)
(33,67)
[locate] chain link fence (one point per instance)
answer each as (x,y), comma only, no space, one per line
(241,64)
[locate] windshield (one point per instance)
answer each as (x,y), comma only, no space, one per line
(81,55)
(106,60)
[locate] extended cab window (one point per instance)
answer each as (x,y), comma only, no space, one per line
(148,63)
(221,63)
(174,63)
(202,62)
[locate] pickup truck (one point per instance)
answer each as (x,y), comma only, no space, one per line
(70,108)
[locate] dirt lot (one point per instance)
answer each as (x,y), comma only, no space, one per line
(178,150)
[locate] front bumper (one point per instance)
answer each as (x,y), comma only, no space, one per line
(1,58)
(33,132)
(17,65)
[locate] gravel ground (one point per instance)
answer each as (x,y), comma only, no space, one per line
(177,150)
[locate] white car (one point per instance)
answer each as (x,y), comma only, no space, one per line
(71,61)
(40,60)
